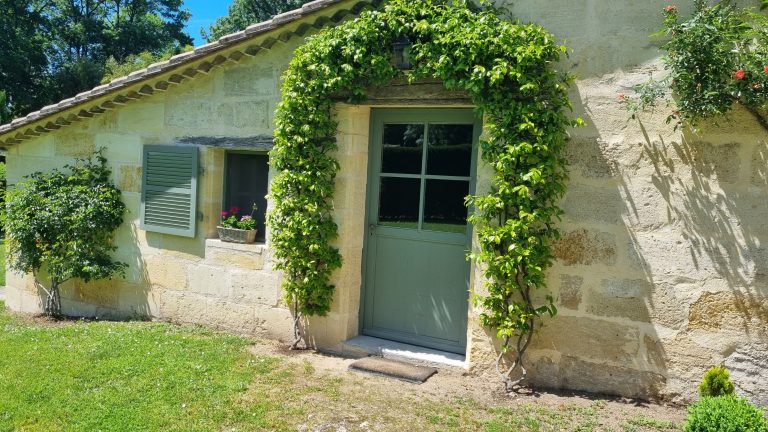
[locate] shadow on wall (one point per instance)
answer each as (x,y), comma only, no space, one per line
(715,190)
(622,292)
(662,268)
(602,340)
(116,298)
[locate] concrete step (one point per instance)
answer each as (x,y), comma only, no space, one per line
(363,346)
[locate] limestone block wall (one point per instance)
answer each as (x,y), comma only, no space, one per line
(200,279)
(661,272)
(661,269)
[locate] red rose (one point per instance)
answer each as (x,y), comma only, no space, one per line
(669,8)
(765,68)
(739,74)
(234,209)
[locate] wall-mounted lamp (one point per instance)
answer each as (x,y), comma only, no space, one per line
(401,48)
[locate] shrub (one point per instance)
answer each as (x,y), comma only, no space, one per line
(725,414)
(62,222)
(715,57)
(716,382)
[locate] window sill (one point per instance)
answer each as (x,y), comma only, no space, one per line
(256,248)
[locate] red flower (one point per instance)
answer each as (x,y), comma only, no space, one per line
(669,8)
(765,68)
(739,74)
(234,209)
(622,97)
(223,214)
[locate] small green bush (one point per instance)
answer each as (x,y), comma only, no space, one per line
(716,382)
(725,414)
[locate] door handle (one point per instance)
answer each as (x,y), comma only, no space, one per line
(371,229)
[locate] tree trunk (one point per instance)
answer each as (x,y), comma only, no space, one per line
(297,336)
(53,301)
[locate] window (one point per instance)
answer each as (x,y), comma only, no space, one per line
(245,184)
(169,189)
(425,174)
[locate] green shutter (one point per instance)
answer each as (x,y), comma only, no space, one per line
(169,190)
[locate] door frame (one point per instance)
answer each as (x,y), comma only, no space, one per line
(427,115)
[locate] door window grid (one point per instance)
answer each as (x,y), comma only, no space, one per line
(423,177)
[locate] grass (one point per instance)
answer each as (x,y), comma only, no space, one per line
(644,423)
(119,376)
(73,376)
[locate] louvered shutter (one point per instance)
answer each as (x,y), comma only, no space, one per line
(169,190)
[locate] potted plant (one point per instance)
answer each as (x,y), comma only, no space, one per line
(236,229)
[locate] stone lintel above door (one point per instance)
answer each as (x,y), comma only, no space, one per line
(425,92)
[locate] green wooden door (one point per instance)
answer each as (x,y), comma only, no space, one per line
(416,273)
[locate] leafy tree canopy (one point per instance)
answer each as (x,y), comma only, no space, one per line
(243,13)
(53,49)
(24,46)
(115,69)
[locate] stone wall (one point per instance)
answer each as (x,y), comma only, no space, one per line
(661,272)
(195,280)
(661,269)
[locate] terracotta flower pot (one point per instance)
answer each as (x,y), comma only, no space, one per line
(235,235)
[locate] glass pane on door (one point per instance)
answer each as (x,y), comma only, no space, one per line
(444,208)
(450,150)
(399,202)
(402,148)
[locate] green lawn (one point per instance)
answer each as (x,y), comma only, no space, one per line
(124,376)
(90,376)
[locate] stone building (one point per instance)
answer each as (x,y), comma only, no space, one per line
(662,268)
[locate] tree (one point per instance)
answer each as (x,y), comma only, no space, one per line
(24,47)
(136,26)
(54,49)
(114,69)
(88,32)
(5,108)
(243,13)
(62,222)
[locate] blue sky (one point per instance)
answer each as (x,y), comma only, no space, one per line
(204,13)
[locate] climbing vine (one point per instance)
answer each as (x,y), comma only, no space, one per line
(716,58)
(507,70)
